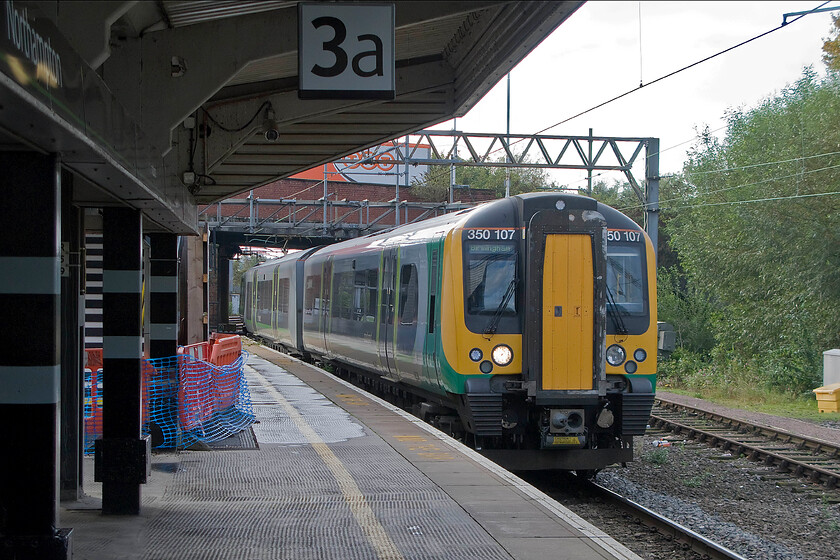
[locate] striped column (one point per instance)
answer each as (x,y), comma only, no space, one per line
(29,356)
(120,454)
(163,296)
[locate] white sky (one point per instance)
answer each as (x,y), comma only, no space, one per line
(595,55)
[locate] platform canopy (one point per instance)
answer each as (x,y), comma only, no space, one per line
(169,105)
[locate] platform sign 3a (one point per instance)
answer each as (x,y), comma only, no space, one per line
(346,51)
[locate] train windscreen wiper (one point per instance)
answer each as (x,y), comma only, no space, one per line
(491,327)
(615,313)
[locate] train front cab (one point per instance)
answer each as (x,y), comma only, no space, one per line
(560,394)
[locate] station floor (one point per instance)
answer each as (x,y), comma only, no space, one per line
(332,473)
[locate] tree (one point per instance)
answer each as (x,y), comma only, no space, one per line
(831,46)
(434,184)
(242,264)
(759,238)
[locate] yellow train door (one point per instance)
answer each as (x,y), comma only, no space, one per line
(568,313)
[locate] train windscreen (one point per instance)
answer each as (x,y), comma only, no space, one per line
(491,286)
(627,298)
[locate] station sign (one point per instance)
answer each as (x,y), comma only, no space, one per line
(346,51)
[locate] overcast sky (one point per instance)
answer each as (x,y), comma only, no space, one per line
(601,52)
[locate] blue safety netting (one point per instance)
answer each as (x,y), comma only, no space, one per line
(184,400)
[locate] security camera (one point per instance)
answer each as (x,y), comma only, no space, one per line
(270,126)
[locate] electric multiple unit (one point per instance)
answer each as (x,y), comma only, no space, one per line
(526,326)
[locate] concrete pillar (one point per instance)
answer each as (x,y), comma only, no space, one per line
(72,364)
(223,256)
(163,295)
(122,456)
(30,380)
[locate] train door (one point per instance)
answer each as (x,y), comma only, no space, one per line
(568,313)
(386,311)
(326,290)
(275,304)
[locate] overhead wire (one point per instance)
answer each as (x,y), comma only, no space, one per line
(726,189)
(675,72)
(749,201)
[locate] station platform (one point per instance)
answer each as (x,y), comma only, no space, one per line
(332,472)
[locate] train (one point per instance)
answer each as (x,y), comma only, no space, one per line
(525,326)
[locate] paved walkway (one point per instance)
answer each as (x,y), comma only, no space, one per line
(333,473)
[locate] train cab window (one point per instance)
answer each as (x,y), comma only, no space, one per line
(627,288)
(490,286)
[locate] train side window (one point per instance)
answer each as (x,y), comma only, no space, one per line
(312,299)
(408,295)
(248,288)
(342,295)
(283,303)
(264,293)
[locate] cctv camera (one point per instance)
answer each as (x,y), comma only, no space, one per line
(272,135)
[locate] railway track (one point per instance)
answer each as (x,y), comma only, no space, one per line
(585,497)
(667,528)
(801,456)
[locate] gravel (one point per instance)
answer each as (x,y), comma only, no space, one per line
(743,505)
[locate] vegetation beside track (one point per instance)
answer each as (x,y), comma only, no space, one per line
(749,251)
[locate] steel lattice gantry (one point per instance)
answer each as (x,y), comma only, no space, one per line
(588,153)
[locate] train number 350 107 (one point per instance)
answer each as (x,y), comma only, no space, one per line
(623,235)
(494,234)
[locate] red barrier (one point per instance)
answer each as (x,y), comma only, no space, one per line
(203,387)
(199,350)
(225,350)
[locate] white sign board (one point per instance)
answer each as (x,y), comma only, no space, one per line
(346,51)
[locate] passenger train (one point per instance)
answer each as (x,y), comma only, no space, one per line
(525,326)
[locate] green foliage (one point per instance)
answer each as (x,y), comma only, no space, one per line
(434,184)
(760,281)
(688,308)
(831,46)
(657,456)
(697,481)
(241,265)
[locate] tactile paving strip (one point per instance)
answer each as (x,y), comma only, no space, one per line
(282,501)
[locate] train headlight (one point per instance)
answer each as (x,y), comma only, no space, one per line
(476,354)
(630,367)
(640,355)
(502,355)
(616,355)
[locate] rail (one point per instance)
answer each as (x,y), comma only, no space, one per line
(667,527)
(801,456)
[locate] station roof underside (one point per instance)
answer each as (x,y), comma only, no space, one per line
(133,73)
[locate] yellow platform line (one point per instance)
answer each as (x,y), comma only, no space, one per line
(374,531)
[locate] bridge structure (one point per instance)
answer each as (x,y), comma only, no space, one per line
(301,222)
(294,223)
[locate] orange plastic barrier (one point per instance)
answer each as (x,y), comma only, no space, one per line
(199,350)
(225,350)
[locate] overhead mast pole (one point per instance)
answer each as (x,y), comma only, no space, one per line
(507,140)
